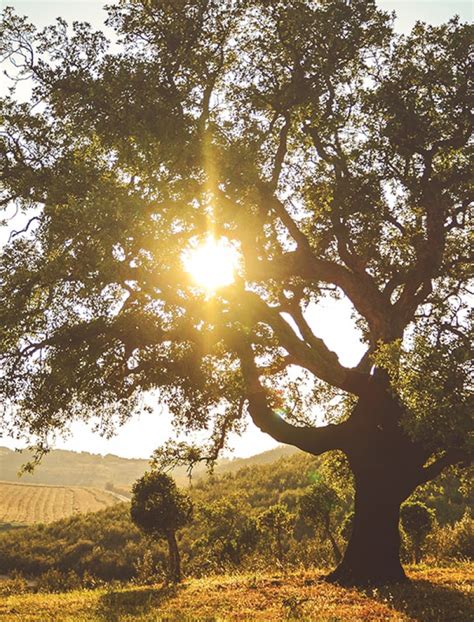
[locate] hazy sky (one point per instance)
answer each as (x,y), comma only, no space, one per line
(139,437)
(41,12)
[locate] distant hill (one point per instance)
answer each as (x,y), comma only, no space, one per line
(23,504)
(70,468)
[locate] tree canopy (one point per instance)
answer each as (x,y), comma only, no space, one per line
(329,153)
(327,150)
(158,507)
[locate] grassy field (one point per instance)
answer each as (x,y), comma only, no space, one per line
(22,504)
(434,595)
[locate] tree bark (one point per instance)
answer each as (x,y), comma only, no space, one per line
(372,556)
(386,466)
(174,561)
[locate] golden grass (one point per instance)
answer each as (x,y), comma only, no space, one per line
(36,503)
(434,595)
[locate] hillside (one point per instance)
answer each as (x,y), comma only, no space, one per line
(66,483)
(224,534)
(107,545)
(70,468)
(23,504)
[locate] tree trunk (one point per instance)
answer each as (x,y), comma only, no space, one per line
(174,562)
(335,549)
(372,556)
(279,543)
(417,551)
(387,465)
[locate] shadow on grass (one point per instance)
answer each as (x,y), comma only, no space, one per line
(427,602)
(115,604)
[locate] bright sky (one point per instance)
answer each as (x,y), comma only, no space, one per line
(142,435)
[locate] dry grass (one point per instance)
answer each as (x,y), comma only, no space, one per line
(434,595)
(35,503)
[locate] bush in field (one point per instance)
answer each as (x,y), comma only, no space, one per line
(54,580)
(159,509)
(276,523)
(15,584)
(148,567)
(229,532)
(452,541)
(417,521)
(317,506)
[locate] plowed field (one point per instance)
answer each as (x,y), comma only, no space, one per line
(34,503)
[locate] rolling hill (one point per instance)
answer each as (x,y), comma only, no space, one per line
(70,468)
(67,483)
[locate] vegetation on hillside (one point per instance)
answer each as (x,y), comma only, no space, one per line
(60,467)
(69,468)
(226,533)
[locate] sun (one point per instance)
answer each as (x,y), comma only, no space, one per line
(212,263)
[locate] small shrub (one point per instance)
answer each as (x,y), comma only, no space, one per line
(148,569)
(452,542)
(15,584)
(56,581)
(90,582)
(276,522)
(295,608)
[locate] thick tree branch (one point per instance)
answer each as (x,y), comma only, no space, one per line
(448,459)
(359,288)
(310,352)
(315,440)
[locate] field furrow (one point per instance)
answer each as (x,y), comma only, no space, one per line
(34,503)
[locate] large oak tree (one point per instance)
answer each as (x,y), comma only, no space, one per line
(329,152)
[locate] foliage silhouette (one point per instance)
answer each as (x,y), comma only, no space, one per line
(417,521)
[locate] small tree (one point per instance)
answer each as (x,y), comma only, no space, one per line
(417,522)
(230,533)
(317,507)
(276,521)
(158,508)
